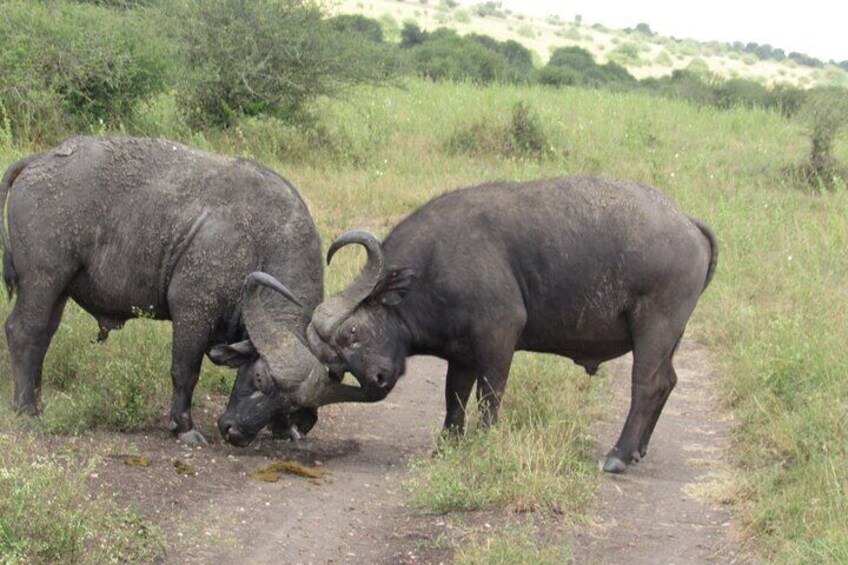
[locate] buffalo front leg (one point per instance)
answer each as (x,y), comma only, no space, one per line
(190,343)
(460,381)
(494,347)
(492,375)
(29,329)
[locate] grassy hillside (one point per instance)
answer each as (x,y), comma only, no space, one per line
(643,55)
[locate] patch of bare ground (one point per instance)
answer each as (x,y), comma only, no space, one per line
(210,509)
(672,506)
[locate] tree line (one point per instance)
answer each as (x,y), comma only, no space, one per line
(67,66)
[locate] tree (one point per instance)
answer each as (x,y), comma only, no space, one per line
(368,27)
(411,35)
(644,28)
(271,57)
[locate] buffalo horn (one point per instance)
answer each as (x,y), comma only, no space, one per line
(335,309)
(290,359)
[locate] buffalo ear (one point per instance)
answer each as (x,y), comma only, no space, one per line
(232,355)
(394,287)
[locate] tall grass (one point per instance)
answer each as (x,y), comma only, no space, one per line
(774,315)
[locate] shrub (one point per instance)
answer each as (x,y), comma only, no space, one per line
(489,8)
(521,137)
(699,68)
(628,54)
(271,57)
(663,59)
(348,23)
(825,114)
(526,31)
(575,66)
(572,33)
(741,92)
(67,66)
(557,76)
(445,55)
(787,99)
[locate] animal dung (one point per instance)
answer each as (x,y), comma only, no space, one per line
(137,461)
(184,468)
(272,472)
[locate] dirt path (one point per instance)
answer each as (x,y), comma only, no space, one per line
(353,519)
(357,513)
(663,509)
(354,514)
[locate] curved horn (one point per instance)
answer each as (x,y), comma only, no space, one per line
(251,283)
(257,278)
(295,368)
(332,311)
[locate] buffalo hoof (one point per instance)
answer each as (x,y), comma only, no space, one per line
(28,409)
(614,465)
(193,438)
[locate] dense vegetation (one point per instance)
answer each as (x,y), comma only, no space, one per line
(733,153)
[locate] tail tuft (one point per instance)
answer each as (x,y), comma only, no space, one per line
(10,276)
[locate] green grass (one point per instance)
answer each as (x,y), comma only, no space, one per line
(510,546)
(47,514)
(774,315)
(537,457)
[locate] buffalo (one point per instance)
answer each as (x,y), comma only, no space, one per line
(583,267)
(135,226)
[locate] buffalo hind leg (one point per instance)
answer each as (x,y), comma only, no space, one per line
(29,329)
(667,385)
(655,339)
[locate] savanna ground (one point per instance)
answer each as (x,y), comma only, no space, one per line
(529,491)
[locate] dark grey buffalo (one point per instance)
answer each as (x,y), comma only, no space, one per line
(587,268)
(125,226)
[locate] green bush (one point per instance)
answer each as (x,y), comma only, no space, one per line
(265,57)
(67,66)
(628,53)
(557,76)
(445,55)
(576,66)
(521,137)
(357,23)
(825,115)
(741,92)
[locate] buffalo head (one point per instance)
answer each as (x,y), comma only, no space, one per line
(360,328)
(279,382)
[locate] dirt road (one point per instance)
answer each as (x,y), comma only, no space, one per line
(357,512)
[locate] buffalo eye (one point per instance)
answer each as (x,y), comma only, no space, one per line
(352,338)
(262,382)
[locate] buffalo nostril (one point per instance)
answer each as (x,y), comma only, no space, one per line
(381,380)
